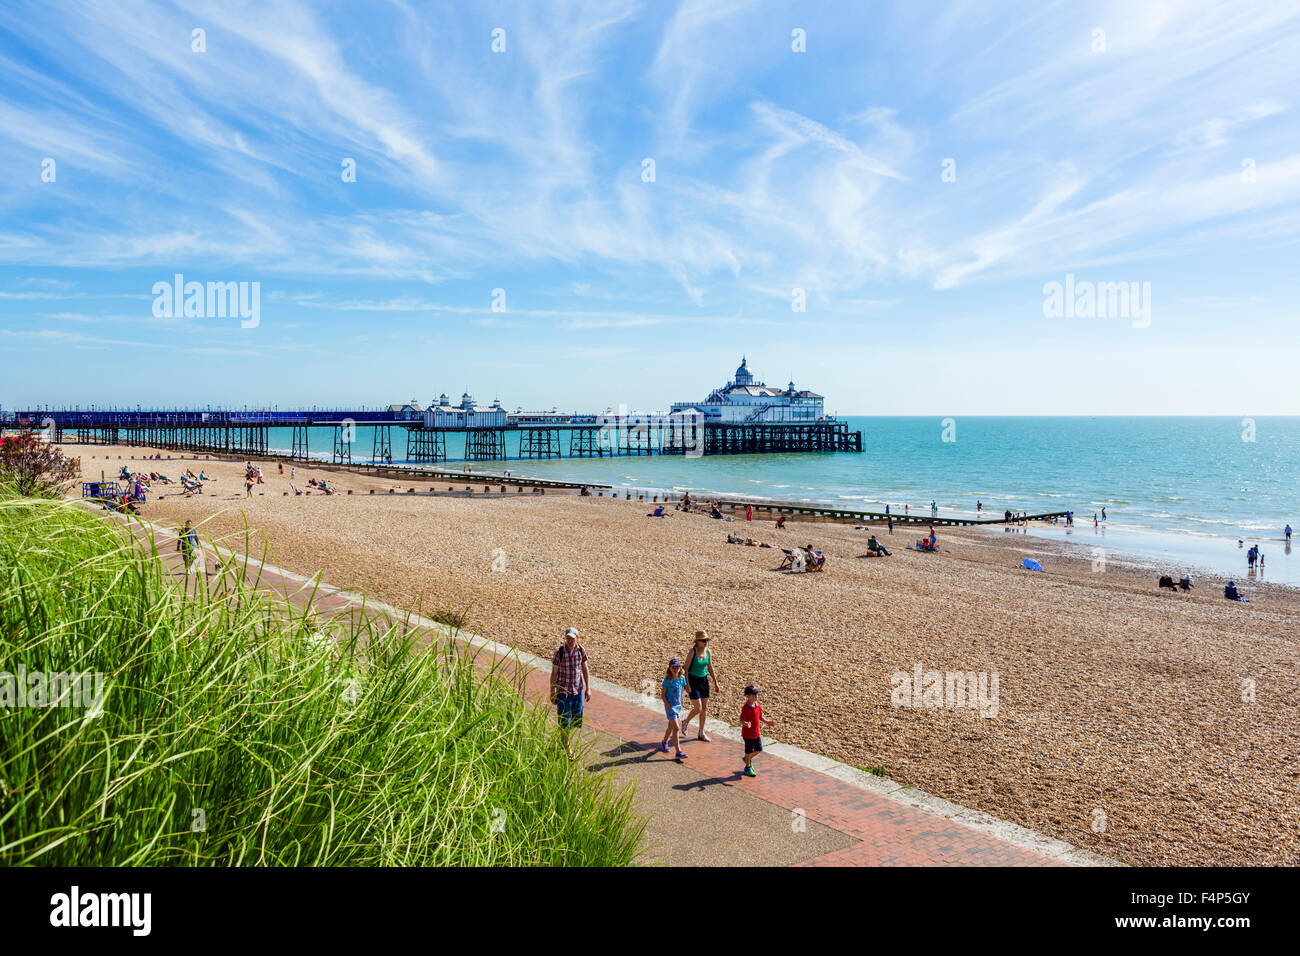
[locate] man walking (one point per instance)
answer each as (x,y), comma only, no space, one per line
(570,686)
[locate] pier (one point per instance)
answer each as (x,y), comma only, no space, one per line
(247,432)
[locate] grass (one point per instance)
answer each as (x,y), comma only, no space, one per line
(238,730)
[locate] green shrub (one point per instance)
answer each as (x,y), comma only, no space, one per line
(239,730)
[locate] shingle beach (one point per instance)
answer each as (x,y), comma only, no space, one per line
(1154,727)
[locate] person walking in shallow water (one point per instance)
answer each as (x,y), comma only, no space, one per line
(699,671)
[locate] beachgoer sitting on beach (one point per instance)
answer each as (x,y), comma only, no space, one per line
(1230,591)
(1167,582)
(657,513)
(816,560)
(295,490)
(1185,582)
(780,522)
(714,512)
(876,548)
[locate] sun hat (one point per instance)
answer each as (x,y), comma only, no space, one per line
(571,632)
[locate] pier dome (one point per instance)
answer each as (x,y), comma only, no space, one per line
(743,377)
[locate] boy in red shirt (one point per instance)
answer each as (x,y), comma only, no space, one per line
(751,716)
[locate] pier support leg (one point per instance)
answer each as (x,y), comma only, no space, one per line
(382,449)
(300,442)
(342,445)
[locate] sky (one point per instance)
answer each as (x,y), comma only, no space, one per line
(589,204)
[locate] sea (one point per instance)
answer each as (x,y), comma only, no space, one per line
(1181,492)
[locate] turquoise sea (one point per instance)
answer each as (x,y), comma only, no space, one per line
(1183,489)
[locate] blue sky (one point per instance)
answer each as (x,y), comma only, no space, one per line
(774,170)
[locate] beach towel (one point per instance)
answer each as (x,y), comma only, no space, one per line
(1032,565)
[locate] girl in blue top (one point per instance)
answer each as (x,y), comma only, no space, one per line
(674,683)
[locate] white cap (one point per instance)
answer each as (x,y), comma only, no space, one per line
(571,632)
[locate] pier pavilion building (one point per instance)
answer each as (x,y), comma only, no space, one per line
(464,415)
(745,399)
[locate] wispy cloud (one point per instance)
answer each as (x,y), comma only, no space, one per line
(770,169)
